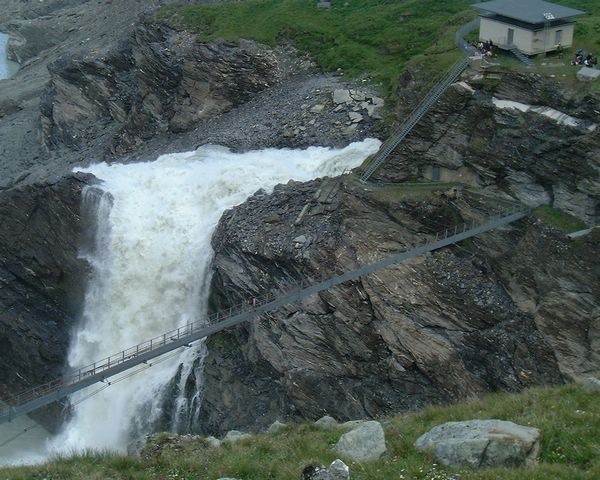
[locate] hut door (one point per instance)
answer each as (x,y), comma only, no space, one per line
(511,37)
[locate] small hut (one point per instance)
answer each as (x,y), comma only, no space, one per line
(531,26)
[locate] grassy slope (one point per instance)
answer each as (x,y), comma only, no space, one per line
(559,219)
(373,38)
(568,417)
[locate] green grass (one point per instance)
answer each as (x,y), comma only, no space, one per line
(568,418)
(559,219)
(374,38)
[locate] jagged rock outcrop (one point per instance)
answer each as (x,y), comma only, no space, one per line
(163,81)
(517,133)
(41,280)
(443,327)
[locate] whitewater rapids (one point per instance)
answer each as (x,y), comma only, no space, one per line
(150,262)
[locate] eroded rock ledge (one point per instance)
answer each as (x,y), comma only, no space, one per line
(469,319)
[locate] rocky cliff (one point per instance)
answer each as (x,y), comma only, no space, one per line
(41,279)
(163,82)
(515,133)
(478,317)
(504,311)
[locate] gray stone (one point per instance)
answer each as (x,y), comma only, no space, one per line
(213,442)
(379,102)
(299,240)
(357,95)
(275,427)
(355,117)
(349,131)
(317,108)
(235,436)
(338,470)
(341,95)
(365,442)
(326,422)
(353,424)
(373,111)
(591,384)
(482,443)
(588,74)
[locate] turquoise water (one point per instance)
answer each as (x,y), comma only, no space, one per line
(7,68)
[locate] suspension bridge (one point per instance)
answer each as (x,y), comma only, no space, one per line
(104,369)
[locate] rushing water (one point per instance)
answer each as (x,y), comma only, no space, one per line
(7,67)
(151,269)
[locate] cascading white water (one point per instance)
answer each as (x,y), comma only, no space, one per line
(151,267)
(7,67)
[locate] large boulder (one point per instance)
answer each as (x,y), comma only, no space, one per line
(235,436)
(482,443)
(365,442)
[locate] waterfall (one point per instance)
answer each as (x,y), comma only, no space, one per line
(150,259)
(7,67)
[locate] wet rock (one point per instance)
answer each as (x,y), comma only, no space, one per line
(482,443)
(363,443)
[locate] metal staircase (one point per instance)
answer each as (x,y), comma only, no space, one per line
(108,367)
(426,103)
(521,56)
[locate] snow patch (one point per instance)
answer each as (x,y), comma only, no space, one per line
(559,117)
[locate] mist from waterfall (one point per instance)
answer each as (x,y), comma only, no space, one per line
(150,259)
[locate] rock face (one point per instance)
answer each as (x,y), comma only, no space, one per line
(41,279)
(439,328)
(482,443)
(363,443)
(164,83)
(516,133)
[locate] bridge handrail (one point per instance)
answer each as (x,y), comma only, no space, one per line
(254,304)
